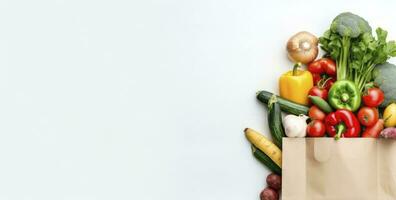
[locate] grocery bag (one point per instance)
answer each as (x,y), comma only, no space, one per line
(346,169)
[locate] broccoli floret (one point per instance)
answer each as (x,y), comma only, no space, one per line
(384,76)
(357,52)
(350,25)
(337,41)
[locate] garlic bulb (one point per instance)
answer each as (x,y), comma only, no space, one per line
(295,126)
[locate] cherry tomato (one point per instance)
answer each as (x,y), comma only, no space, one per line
(315,113)
(323,66)
(329,66)
(318,91)
(368,116)
(316,67)
(373,97)
(316,128)
(375,130)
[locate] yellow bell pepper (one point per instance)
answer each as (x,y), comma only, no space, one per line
(294,85)
(390,115)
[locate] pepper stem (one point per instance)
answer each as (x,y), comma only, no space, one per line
(295,68)
(340,129)
(344,97)
(322,83)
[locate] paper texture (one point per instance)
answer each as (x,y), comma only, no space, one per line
(347,169)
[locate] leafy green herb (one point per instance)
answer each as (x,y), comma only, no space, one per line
(368,53)
(349,41)
(345,28)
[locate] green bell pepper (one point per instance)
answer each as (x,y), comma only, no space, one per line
(345,95)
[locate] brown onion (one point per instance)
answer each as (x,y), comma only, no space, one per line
(302,47)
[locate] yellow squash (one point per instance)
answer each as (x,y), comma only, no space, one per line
(294,85)
(390,115)
(265,145)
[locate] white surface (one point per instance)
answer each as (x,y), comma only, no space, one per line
(144,100)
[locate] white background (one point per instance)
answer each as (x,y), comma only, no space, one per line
(144,100)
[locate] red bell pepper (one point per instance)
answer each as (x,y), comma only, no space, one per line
(342,123)
(322,69)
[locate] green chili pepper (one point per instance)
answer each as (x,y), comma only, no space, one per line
(321,103)
(345,95)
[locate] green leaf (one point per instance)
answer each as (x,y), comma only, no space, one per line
(391,48)
(381,34)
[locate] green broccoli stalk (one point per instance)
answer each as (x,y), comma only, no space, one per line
(337,40)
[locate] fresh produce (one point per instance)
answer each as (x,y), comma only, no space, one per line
(368,116)
(373,97)
(390,115)
(351,92)
(328,83)
(318,91)
(389,133)
(337,40)
(322,69)
(344,95)
(349,41)
(367,54)
(263,158)
(384,76)
(302,47)
(295,125)
(294,85)
(342,123)
(275,121)
(274,181)
(315,113)
(375,130)
(265,145)
(285,105)
(316,128)
(321,103)
(323,66)
(269,194)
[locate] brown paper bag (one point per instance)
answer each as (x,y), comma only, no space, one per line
(347,169)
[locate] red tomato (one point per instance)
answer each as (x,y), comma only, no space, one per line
(316,78)
(315,113)
(318,91)
(329,83)
(329,66)
(316,128)
(373,97)
(316,67)
(368,116)
(375,130)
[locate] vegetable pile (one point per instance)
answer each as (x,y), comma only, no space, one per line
(347,93)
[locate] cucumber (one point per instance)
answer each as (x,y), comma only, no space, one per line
(275,121)
(321,103)
(263,158)
(285,105)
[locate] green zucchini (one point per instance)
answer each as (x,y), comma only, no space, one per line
(263,158)
(285,105)
(321,103)
(275,121)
